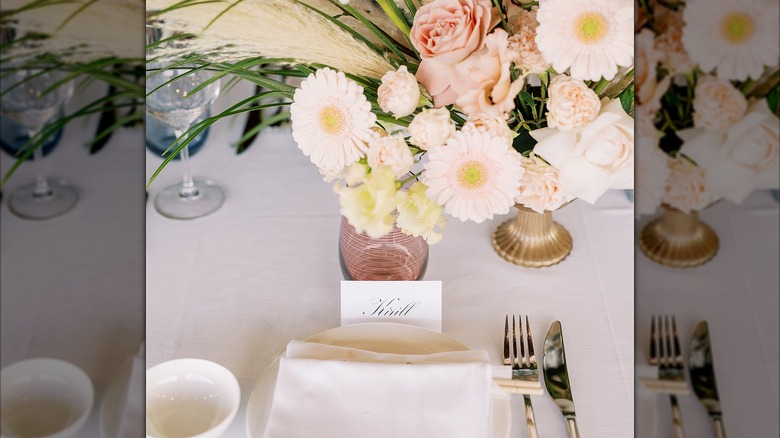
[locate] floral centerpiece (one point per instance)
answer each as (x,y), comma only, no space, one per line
(707,125)
(458,107)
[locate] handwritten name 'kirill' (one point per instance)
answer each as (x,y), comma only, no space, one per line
(390,307)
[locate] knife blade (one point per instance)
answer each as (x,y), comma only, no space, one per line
(700,367)
(556,376)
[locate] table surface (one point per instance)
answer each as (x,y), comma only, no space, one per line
(73,286)
(737,293)
(236,286)
(228,287)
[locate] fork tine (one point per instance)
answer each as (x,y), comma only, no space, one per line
(678,361)
(523,361)
(532,356)
(668,355)
(653,342)
(507,361)
(514,343)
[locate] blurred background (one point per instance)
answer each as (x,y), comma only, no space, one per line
(706,180)
(72,217)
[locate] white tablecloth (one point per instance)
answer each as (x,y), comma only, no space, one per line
(72,286)
(737,293)
(236,286)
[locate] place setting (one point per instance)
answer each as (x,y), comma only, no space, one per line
(53,398)
(392,372)
(672,374)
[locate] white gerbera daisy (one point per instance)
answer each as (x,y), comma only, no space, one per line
(591,37)
(474,176)
(738,38)
(331,120)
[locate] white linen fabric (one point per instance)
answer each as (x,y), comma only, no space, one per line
(737,293)
(72,286)
(349,393)
(132,422)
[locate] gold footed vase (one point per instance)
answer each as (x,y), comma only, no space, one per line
(532,239)
(678,239)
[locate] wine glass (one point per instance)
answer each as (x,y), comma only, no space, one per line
(33,98)
(174,103)
(160,136)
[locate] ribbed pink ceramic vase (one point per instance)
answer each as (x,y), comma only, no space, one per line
(394,257)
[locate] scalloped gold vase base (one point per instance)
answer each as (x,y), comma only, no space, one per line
(532,239)
(679,240)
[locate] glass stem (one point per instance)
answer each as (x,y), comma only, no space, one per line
(188,189)
(42,189)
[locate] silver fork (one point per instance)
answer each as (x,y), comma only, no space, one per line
(523,366)
(666,355)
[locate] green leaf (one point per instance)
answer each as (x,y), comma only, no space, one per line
(523,142)
(276,118)
(627,99)
(772,99)
(391,44)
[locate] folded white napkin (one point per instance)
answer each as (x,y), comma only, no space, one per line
(328,391)
(133,412)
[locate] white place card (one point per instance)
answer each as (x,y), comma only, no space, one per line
(408,302)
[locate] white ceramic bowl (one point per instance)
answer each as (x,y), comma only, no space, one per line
(44,398)
(191,398)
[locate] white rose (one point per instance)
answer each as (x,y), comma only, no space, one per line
(648,90)
(390,151)
(686,188)
(399,93)
(540,187)
(494,125)
(572,105)
(594,159)
(741,159)
(717,104)
(431,128)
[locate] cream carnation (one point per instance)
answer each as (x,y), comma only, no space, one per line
(496,126)
(522,43)
(369,206)
(418,215)
(686,188)
(431,128)
(540,188)
(399,93)
(351,175)
(474,176)
(668,42)
(594,159)
(717,104)
(572,105)
(331,120)
(391,151)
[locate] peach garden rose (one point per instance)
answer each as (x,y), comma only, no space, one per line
(484,82)
(446,32)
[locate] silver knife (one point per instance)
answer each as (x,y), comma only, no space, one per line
(556,377)
(703,376)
